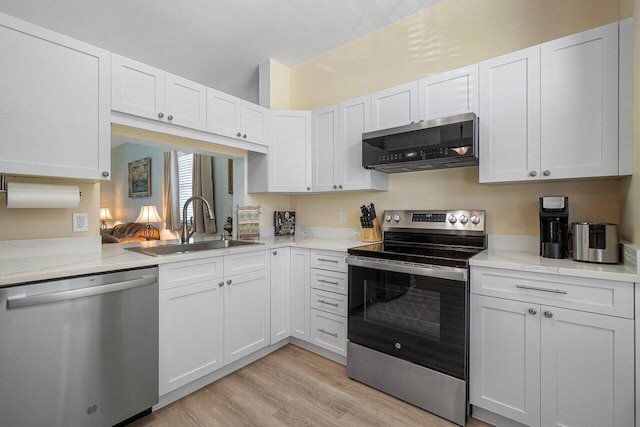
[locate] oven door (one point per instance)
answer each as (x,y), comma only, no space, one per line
(413,312)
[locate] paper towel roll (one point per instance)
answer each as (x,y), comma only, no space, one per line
(22,195)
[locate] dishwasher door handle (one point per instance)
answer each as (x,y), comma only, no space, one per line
(27,301)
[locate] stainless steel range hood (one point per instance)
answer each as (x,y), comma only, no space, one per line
(447,142)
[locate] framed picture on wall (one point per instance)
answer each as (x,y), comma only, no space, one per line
(140,178)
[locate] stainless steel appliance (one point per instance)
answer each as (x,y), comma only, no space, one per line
(81,351)
(433,144)
(596,242)
(409,308)
(554,226)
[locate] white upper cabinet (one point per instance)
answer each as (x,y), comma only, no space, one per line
(235,118)
(287,166)
(579,104)
(148,92)
(54,99)
(450,93)
(337,148)
(396,106)
(551,111)
(510,117)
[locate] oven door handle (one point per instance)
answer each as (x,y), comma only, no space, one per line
(450,273)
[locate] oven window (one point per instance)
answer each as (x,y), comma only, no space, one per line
(416,318)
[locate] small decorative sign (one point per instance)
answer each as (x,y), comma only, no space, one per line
(140,178)
(284,223)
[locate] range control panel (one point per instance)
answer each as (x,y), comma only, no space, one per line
(457,220)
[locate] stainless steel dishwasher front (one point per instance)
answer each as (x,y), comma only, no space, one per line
(81,351)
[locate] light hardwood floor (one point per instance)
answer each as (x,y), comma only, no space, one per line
(292,386)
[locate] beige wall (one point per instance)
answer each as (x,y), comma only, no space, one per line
(451,34)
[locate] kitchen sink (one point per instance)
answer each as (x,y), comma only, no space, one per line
(181,248)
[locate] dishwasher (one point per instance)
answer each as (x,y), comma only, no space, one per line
(79,351)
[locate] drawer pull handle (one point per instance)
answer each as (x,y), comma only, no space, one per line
(335,304)
(328,333)
(326,281)
(328,260)
(533,288)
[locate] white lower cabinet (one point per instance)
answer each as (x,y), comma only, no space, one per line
(548,365)
(280,294)
(329,331)
(300,287)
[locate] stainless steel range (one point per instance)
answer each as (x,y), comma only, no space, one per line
(408,327)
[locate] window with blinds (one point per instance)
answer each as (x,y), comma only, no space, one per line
(185,187)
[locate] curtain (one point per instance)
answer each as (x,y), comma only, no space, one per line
(171,195)
(203,187)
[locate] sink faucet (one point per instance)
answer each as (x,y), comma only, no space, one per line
(186,230)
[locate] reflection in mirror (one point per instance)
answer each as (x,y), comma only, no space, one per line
(227,184)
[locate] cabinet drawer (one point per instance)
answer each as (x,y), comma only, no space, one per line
(246,262)
(592,295)
(328,260)
(329,281)
(176,274)
(329,331)
(329,302)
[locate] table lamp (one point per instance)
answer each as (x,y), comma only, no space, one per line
(148,214)
(104,216)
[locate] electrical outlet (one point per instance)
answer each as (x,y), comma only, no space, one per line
(80,222)
(342,217)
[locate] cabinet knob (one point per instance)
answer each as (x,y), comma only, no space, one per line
(238,134)
(533,311)
(160,115)
(275,252)
(548,314)
(244,135)
(105,173)
(335,186)
(533,173)
(221,284)
(546,173)
(229,282)
(308,188)
(170,117)
(339,186)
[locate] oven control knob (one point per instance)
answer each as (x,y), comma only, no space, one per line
(396,218)
(452,219)
(387,218)
(463,219)
(475,219)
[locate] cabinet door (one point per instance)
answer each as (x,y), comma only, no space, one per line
(446,94)
(355,119)
(579,79)
(54,104)
(246,314)
(185,102)
(223,113)
(510,116)
(254,123)
(396,106)
(587,369)
(324,139)
(190,333)
(136,88)
(290,152)
(300,285)
(504,358)
(280,294)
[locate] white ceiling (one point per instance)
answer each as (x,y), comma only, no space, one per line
(218,43)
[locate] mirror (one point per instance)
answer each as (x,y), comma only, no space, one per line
(228,183)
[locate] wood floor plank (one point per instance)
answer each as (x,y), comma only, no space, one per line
(292,386)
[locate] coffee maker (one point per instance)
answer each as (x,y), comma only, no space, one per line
(554,226)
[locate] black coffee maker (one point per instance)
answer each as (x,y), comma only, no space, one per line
(554,226)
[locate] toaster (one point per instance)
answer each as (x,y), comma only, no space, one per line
(596,242)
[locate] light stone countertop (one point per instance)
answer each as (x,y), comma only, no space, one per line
(532,262)
(44,259)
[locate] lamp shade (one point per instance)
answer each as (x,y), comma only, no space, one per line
(148,213)
(105,214)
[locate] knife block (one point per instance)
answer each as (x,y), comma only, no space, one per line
(372,234)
